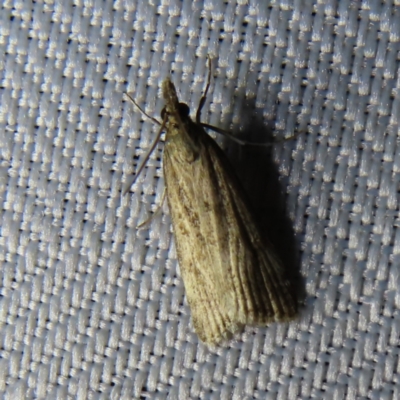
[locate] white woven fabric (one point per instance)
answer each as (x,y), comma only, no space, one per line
(92,307)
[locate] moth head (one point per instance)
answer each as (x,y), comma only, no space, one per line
(183,110)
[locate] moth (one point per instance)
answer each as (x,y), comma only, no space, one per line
(231,273)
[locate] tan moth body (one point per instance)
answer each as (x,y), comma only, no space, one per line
(232,277)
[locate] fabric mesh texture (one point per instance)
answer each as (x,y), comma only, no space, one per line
(93,307)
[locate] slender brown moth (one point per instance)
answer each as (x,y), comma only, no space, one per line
(231,274)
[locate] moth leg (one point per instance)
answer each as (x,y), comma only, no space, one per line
(153,146)
(158,209)
(203,98)
(141,109)
(244,142)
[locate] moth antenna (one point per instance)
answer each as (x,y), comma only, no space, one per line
(153,146)
(203,98)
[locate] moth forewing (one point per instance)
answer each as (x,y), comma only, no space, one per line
(231,275)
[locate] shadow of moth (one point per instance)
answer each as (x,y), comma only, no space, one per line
(232,275)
